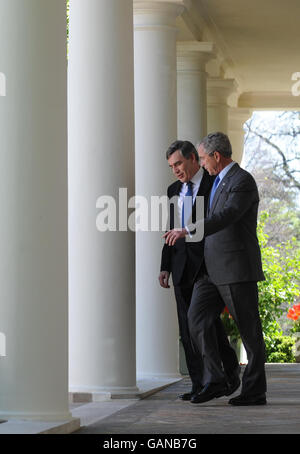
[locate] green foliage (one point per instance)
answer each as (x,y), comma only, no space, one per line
(68,17)
(230,327)
(280,349)
(281,265)
(295,328)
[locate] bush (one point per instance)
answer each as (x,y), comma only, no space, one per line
(281,265)
(230,326)
(279,349)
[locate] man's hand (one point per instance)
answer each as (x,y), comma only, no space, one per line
(164,279)
(173,235)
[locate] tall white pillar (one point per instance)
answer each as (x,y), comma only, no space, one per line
(101,160)
(33,197)
(237,118)
(192,57)
(218,91)
(156,129)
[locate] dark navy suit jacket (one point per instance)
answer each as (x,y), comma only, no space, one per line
(185,257)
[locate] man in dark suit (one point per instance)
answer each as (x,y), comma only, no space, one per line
(232,267)
(184,259)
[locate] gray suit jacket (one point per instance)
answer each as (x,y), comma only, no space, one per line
(231,249)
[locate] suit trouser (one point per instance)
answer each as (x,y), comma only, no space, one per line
(241,299)
(193,356)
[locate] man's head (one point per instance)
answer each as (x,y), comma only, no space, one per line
(183,159)
(215,152)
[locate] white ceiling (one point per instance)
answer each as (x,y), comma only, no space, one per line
(258,40)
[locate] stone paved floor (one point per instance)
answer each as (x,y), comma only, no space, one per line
(164,413)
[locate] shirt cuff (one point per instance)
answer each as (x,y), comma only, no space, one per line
(190,228)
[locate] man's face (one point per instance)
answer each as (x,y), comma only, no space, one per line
(183,169)
(210,163)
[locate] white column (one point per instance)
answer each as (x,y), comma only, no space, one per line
(156,129)
(192,57)
(101,160)
(237,118)
(218,91)
(33,197)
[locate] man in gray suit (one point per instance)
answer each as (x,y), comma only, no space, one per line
(232,266)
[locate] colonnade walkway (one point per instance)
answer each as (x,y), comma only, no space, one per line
(164,413)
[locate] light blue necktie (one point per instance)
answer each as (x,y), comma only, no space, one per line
(187,204)
(214,188)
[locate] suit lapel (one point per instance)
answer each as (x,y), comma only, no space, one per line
(205,184)
(222,185)
(177,188)
(203,191)
(173,209)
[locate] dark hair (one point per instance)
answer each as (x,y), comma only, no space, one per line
(217,141)
(185,147)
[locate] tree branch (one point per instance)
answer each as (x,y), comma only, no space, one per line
(284,160)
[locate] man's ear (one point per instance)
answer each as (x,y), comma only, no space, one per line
(217,156)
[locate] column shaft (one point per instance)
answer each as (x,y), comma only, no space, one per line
(33,267)
(191,89)
(101,160)
(236,119)
(217,112)
(156,128)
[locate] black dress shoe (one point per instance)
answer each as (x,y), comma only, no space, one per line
(233,383)
(242,400)
(188,396)
(209,392)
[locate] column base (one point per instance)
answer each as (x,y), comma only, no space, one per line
(20,426)
(27,416)
(147,385)
(151,384)
(157,376)
(99,394)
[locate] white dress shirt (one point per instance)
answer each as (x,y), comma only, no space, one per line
(225,171)
(196,180)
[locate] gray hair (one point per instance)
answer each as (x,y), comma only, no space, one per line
(216,141)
